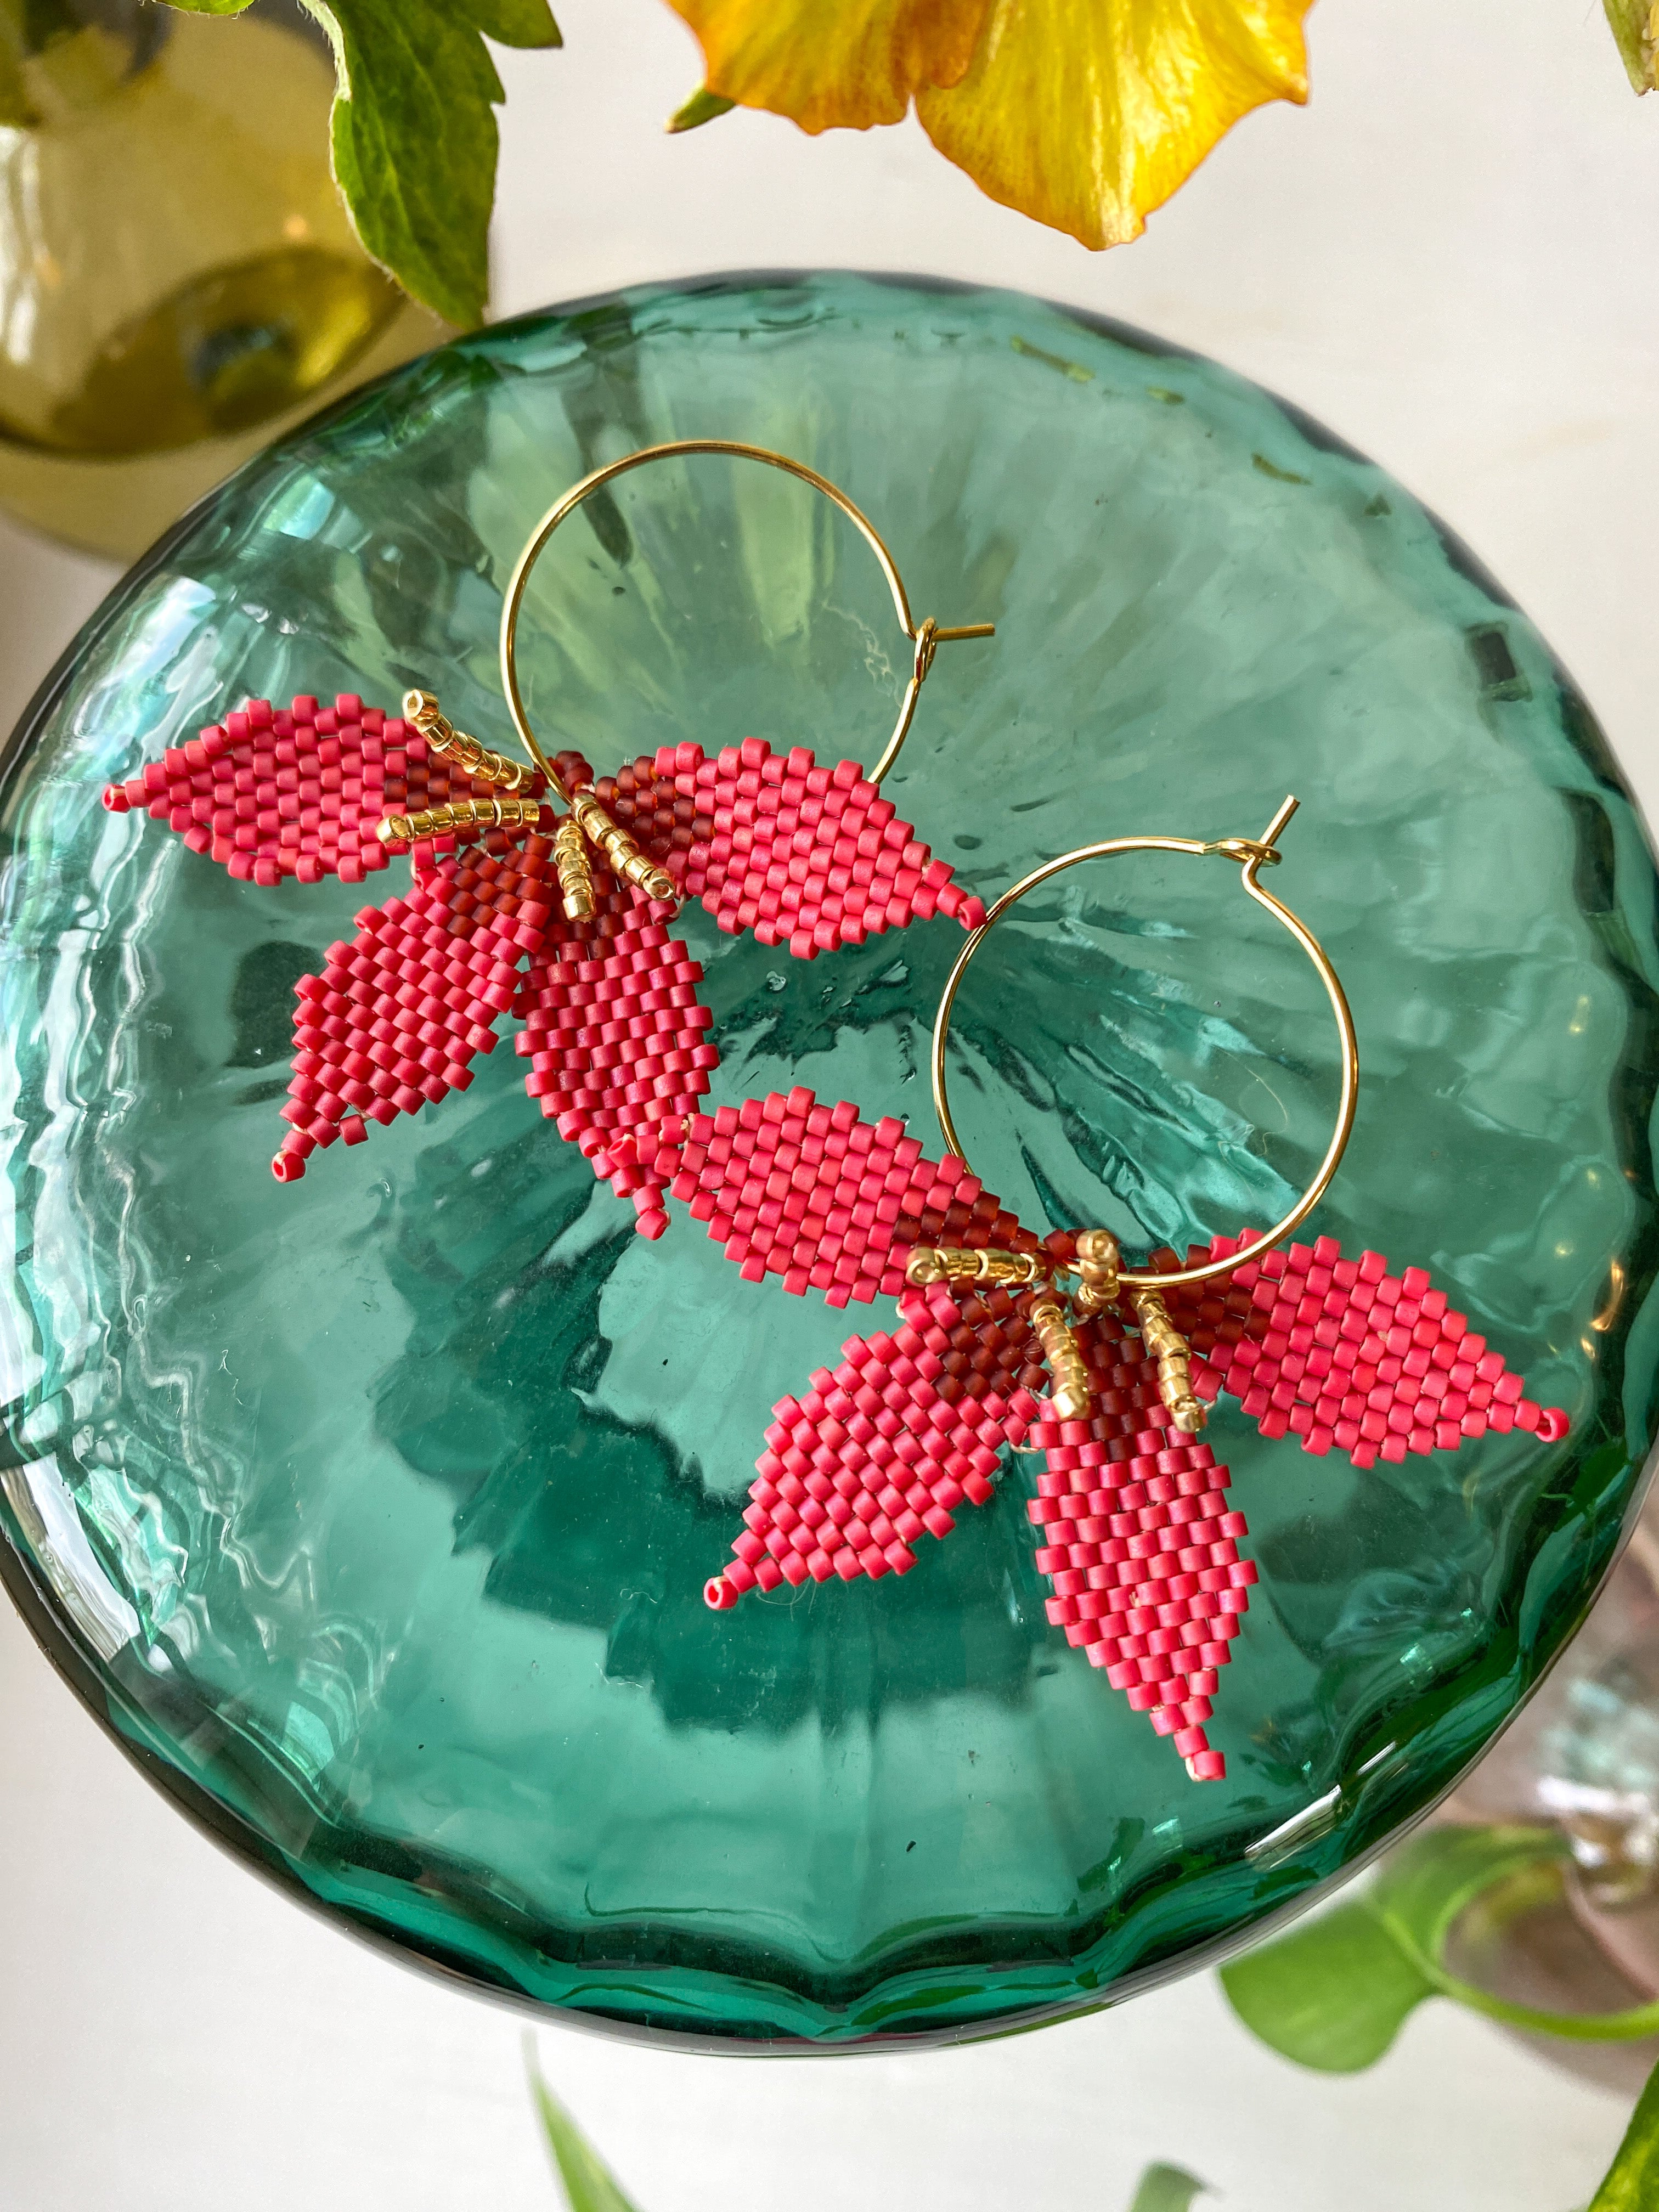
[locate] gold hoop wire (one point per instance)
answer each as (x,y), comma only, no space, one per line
(1253,853)
(924,636)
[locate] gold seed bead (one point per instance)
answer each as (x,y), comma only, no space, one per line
(421,708)
(1164,1343)
(459,814)
(1098,1259)
(949,1264)
(620,849)
(1068,1392)
(575,877)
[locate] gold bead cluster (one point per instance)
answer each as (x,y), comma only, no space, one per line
(586,825)
(1169,1347)
(575,877)
(931,1263)
(1068,1386)
(459,814)
(1098,1260)
(1099,1270)
(421,710)
(619,848)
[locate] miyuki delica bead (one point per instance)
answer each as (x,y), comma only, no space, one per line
(395,1018)
(298,791)
(1344,1355)
(616,1041)
(807,856)
(885,1448)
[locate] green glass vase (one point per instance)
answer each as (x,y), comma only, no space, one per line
(373,1512)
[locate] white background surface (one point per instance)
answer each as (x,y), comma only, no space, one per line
(1450,259)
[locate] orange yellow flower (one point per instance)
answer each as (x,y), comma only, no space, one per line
(1085,114)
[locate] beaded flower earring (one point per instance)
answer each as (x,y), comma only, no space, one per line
(1135,1536)
(804,855)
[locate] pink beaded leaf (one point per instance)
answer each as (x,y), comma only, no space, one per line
(825,1199)
(885,1448)
(804,855)
(393,1022)
(616,1038)
(1343,1354)
(611,1026)
(1140,1550)
(1138,1542)
(297,792)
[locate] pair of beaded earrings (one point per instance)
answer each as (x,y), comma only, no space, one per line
(561,919)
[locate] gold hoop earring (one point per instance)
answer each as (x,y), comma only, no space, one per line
(925,637)
(589,830)
(1134,1531)
(1103,1280)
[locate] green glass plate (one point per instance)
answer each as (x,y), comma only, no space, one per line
(373,1512)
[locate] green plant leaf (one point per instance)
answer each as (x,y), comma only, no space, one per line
(1632,2180)
(702,107)
(415,142)
(1424,1889)
(413,131)
(1167,2188)
(514,22)
(1632,22)
(1334,1995)
(589,2185)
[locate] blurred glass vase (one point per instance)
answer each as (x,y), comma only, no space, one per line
(1584,1755)
(178,277)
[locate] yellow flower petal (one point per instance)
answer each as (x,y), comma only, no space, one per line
(829,63)
(1089,113)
